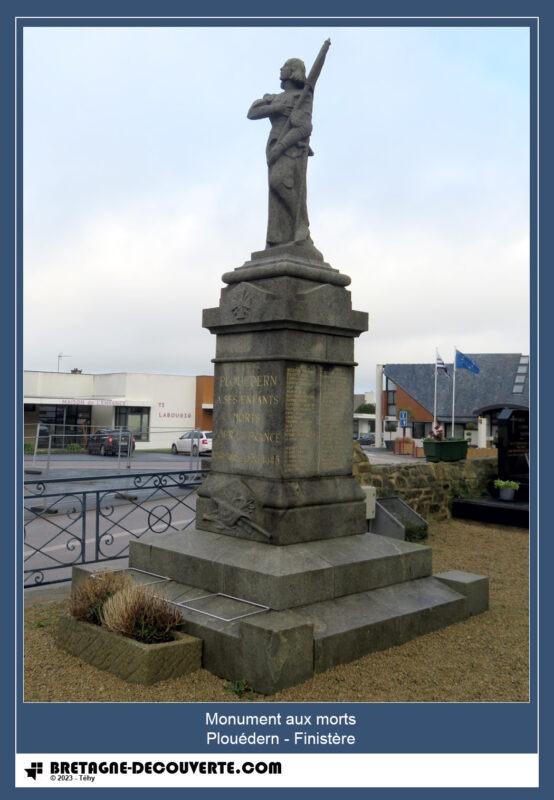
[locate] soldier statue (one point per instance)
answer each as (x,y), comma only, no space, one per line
(287,151)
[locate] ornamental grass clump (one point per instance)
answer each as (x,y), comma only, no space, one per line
(88,599)
(138,614)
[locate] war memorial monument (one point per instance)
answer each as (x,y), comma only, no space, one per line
(279,578)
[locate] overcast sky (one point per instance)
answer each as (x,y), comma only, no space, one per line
(144,182)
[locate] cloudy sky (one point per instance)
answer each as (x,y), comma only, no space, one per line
(144,182)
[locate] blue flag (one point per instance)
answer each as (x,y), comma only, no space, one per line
(465,362)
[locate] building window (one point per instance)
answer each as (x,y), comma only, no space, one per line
(421,429)
(66,421)
(390,388)
(136,419)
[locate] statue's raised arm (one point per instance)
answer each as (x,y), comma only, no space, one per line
(287,151)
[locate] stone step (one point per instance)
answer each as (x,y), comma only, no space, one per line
(274,649)
(349,627)
(281,577)
(312,638)
(341,630)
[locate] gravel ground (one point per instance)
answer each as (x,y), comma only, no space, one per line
(482,659)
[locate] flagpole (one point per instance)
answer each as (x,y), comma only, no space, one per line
(453,392)
(435,400)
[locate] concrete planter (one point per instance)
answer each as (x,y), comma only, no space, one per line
(445,449)
(506,494)
(130,660)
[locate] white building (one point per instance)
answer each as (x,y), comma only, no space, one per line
(363,422)
(155,408)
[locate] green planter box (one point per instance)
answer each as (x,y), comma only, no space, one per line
(445,450)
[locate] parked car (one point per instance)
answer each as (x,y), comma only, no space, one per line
(105,442)
(193,443)
(367,439)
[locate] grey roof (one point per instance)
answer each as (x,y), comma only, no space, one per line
(493,387)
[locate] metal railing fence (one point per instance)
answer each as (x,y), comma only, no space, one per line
(71,521)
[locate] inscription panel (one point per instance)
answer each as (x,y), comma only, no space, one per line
(248,418)
(282,419)
(335,420)
(318,420)
(301,413)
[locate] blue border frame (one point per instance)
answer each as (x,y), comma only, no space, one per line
(385,727)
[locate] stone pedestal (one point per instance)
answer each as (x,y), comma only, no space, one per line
(279,578)
(284,383)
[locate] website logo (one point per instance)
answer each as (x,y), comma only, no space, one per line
(34,770)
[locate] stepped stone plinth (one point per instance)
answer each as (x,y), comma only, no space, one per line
(279,577)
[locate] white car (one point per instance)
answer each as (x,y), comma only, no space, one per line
(193,443)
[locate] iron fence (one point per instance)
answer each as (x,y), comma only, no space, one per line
(69,521)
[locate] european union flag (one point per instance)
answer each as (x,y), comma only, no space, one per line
(465,362)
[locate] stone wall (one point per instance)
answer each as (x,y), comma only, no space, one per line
(428,488)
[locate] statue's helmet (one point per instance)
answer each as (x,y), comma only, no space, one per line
(294,70)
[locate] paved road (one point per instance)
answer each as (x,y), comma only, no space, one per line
(81,464)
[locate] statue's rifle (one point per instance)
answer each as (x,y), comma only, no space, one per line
(311,81)
(309,86)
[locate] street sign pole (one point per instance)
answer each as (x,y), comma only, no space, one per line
(403,420)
